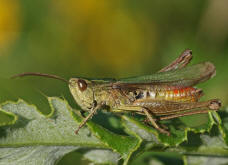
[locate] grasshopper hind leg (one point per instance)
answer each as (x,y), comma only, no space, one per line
(203,107)
(182,61)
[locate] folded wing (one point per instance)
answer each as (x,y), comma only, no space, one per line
(184,77)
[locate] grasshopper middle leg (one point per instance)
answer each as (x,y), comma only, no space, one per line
(152,121)
(142,111)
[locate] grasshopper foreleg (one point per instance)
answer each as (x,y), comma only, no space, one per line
(92,112)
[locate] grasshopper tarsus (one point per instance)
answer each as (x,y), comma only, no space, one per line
(76,131)
(165,132)
(83,113)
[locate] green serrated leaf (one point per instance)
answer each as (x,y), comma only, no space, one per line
(7,118)
(144,132)
(125,145)
(205,160)
(33,128)
(178,135)
(44,139)
(39,139)
(42,155)
(223,124)
(57,130)
(102,156)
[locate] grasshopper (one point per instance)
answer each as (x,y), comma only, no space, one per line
(167,94)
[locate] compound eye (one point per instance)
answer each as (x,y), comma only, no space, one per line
(82,85)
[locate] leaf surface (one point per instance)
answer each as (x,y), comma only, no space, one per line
(28,136)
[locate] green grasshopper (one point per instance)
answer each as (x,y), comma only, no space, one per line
(164,95)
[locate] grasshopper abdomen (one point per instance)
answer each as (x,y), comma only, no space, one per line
(170,94)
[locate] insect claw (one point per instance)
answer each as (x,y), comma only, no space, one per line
(163,131)
(82,113)
(167,133)
(76,132)
(164,126)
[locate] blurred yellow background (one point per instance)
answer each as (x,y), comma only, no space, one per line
(115,38)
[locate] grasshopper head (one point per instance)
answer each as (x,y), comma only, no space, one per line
(82,91)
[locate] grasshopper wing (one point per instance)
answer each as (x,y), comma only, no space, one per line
(184,77)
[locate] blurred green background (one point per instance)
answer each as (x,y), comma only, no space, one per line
(115,38)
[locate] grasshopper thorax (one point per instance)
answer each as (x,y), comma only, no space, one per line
(82,91)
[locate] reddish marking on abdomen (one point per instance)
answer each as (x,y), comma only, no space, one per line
(179,94)
(183,94)
(175,91)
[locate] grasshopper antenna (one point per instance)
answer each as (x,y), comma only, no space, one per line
(40,75)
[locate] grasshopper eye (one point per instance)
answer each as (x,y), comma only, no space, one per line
(82,85)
